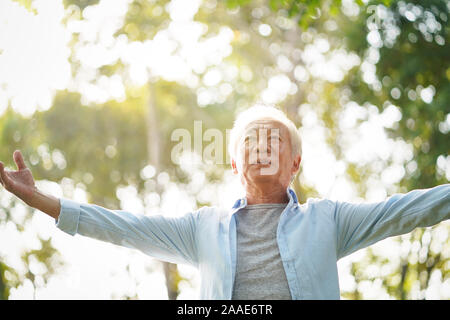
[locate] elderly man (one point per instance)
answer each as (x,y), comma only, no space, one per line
(267,246)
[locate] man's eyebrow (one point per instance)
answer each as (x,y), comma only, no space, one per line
(275,132)
(266,130)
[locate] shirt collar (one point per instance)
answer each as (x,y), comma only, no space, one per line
(242,202)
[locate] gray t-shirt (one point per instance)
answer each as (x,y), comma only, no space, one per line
(259,269)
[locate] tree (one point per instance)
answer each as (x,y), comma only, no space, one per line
(36,264)
(411,40)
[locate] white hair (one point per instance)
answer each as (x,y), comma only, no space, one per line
(259,112)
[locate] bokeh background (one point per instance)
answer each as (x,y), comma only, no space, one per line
(91,91)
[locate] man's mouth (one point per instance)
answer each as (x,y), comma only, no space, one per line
(263,162)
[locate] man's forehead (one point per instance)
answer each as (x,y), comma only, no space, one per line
(266,124)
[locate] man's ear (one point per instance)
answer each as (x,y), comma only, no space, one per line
(296,164)
(233,166)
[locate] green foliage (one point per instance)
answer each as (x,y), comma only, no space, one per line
(8,279)
(411,271)
(80,3)
(38,264)
(406,66)
(27,4)
(144,19)
(305,12)
(119,144)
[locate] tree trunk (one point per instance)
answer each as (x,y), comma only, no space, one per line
(153,150)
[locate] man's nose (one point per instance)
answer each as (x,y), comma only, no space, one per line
(263,146)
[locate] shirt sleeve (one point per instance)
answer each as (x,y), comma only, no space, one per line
(171,239)
(360,225)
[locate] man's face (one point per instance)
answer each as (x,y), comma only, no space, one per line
(265,154)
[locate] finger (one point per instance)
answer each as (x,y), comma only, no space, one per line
(3,175)
(19,160)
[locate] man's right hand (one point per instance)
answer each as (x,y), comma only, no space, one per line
(20,182)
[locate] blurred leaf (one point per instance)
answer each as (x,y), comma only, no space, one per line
(27,4)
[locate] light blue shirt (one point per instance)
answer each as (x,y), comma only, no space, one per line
(311,237)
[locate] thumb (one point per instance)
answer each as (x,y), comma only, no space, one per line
(19,160)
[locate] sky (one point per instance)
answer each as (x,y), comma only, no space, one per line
(34,65)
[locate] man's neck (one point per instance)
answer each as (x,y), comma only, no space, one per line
(266,194)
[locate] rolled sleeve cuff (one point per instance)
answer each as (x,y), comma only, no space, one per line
(69,216)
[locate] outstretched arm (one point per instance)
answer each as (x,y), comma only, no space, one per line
(359,225)
(164,238)
(171,239)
